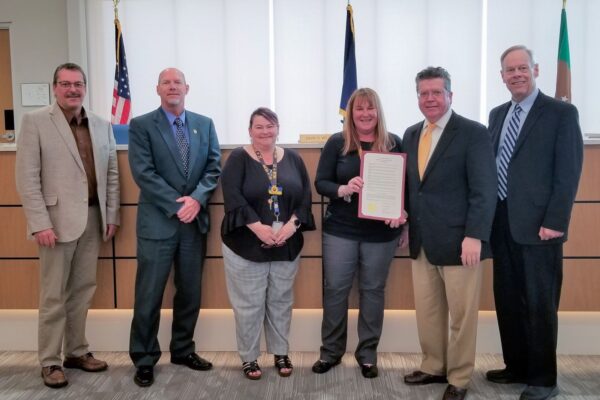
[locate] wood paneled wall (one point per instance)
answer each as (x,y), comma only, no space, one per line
(117,265)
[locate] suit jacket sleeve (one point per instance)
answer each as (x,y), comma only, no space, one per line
(143,169)
(28,176)
(567,170)
(208,182)
(482,183)
(112,182)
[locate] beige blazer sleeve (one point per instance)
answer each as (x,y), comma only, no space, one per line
(50,177)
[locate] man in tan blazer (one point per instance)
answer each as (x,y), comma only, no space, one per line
(67,177)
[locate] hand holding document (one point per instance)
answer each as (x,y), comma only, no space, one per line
(382,195)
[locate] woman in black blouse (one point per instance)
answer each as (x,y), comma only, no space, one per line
(267,205)
(353,246)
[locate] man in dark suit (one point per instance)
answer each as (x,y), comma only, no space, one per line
(539,150)
(175,160)
(452,196)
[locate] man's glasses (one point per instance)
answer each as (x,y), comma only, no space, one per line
(67,84)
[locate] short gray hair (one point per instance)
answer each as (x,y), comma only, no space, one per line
(515,48)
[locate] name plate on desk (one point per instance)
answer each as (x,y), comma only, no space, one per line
(313,138)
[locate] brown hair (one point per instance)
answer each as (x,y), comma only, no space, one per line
(70,67)
(266,113)
(383,141)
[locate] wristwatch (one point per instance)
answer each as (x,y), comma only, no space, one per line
(297,223)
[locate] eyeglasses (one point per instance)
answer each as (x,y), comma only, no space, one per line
(67,84)
(434,93)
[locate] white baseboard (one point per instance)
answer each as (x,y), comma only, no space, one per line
(108,330)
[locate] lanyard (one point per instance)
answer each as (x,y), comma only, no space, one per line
(274,191)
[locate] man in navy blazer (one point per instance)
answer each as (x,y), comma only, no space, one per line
(531,223)
(174,157)
(451,182)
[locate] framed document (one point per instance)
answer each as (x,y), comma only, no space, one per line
(382,195)
(35,94)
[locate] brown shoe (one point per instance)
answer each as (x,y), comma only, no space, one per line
(86,362)
(454,393)
(54,376)
(423,378)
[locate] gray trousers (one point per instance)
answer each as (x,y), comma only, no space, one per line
(184,253)
(261,293)
(343,259)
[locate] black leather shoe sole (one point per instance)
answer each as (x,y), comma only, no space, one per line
(144,376)
(320,367)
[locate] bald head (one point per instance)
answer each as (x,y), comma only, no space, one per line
(171,70)
(172,90)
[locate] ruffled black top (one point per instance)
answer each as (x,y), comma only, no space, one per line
(245,191)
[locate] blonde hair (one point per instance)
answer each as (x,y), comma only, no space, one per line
(383,141)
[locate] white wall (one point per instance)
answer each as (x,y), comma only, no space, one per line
(108,330)
(232,68)
(38,41)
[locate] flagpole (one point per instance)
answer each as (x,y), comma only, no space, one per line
(118,28)
(121,107)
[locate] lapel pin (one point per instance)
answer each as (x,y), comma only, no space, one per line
(195,132)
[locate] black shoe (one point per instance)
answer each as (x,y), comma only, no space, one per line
(423,378)
(539,392)
(193,361)
(503,376)
(144,376)
(322,366)
(369,371)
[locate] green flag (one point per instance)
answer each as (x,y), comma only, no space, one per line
(563,74)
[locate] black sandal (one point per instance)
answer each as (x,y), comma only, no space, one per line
(282,362)
(249,367)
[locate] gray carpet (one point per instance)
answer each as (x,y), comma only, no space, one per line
(579,378)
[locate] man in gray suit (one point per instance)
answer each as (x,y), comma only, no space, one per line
(67,177)
(539,150)
(451,183)
(175,158)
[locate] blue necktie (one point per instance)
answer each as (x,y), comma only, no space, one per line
(183,145)
(510,139)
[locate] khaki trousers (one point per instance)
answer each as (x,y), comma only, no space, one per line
(67,286)
(447,305)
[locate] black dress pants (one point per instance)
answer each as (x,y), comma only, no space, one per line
(527,285)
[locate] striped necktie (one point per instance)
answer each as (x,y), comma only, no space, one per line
(183,145)
(510,139)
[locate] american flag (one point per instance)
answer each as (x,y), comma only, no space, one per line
(121,105)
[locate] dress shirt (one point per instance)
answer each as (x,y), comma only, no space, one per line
(171,117)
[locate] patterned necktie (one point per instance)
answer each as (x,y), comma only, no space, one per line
(425,148)
(510,139)
(183,145)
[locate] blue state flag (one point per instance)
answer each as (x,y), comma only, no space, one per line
(350,84)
